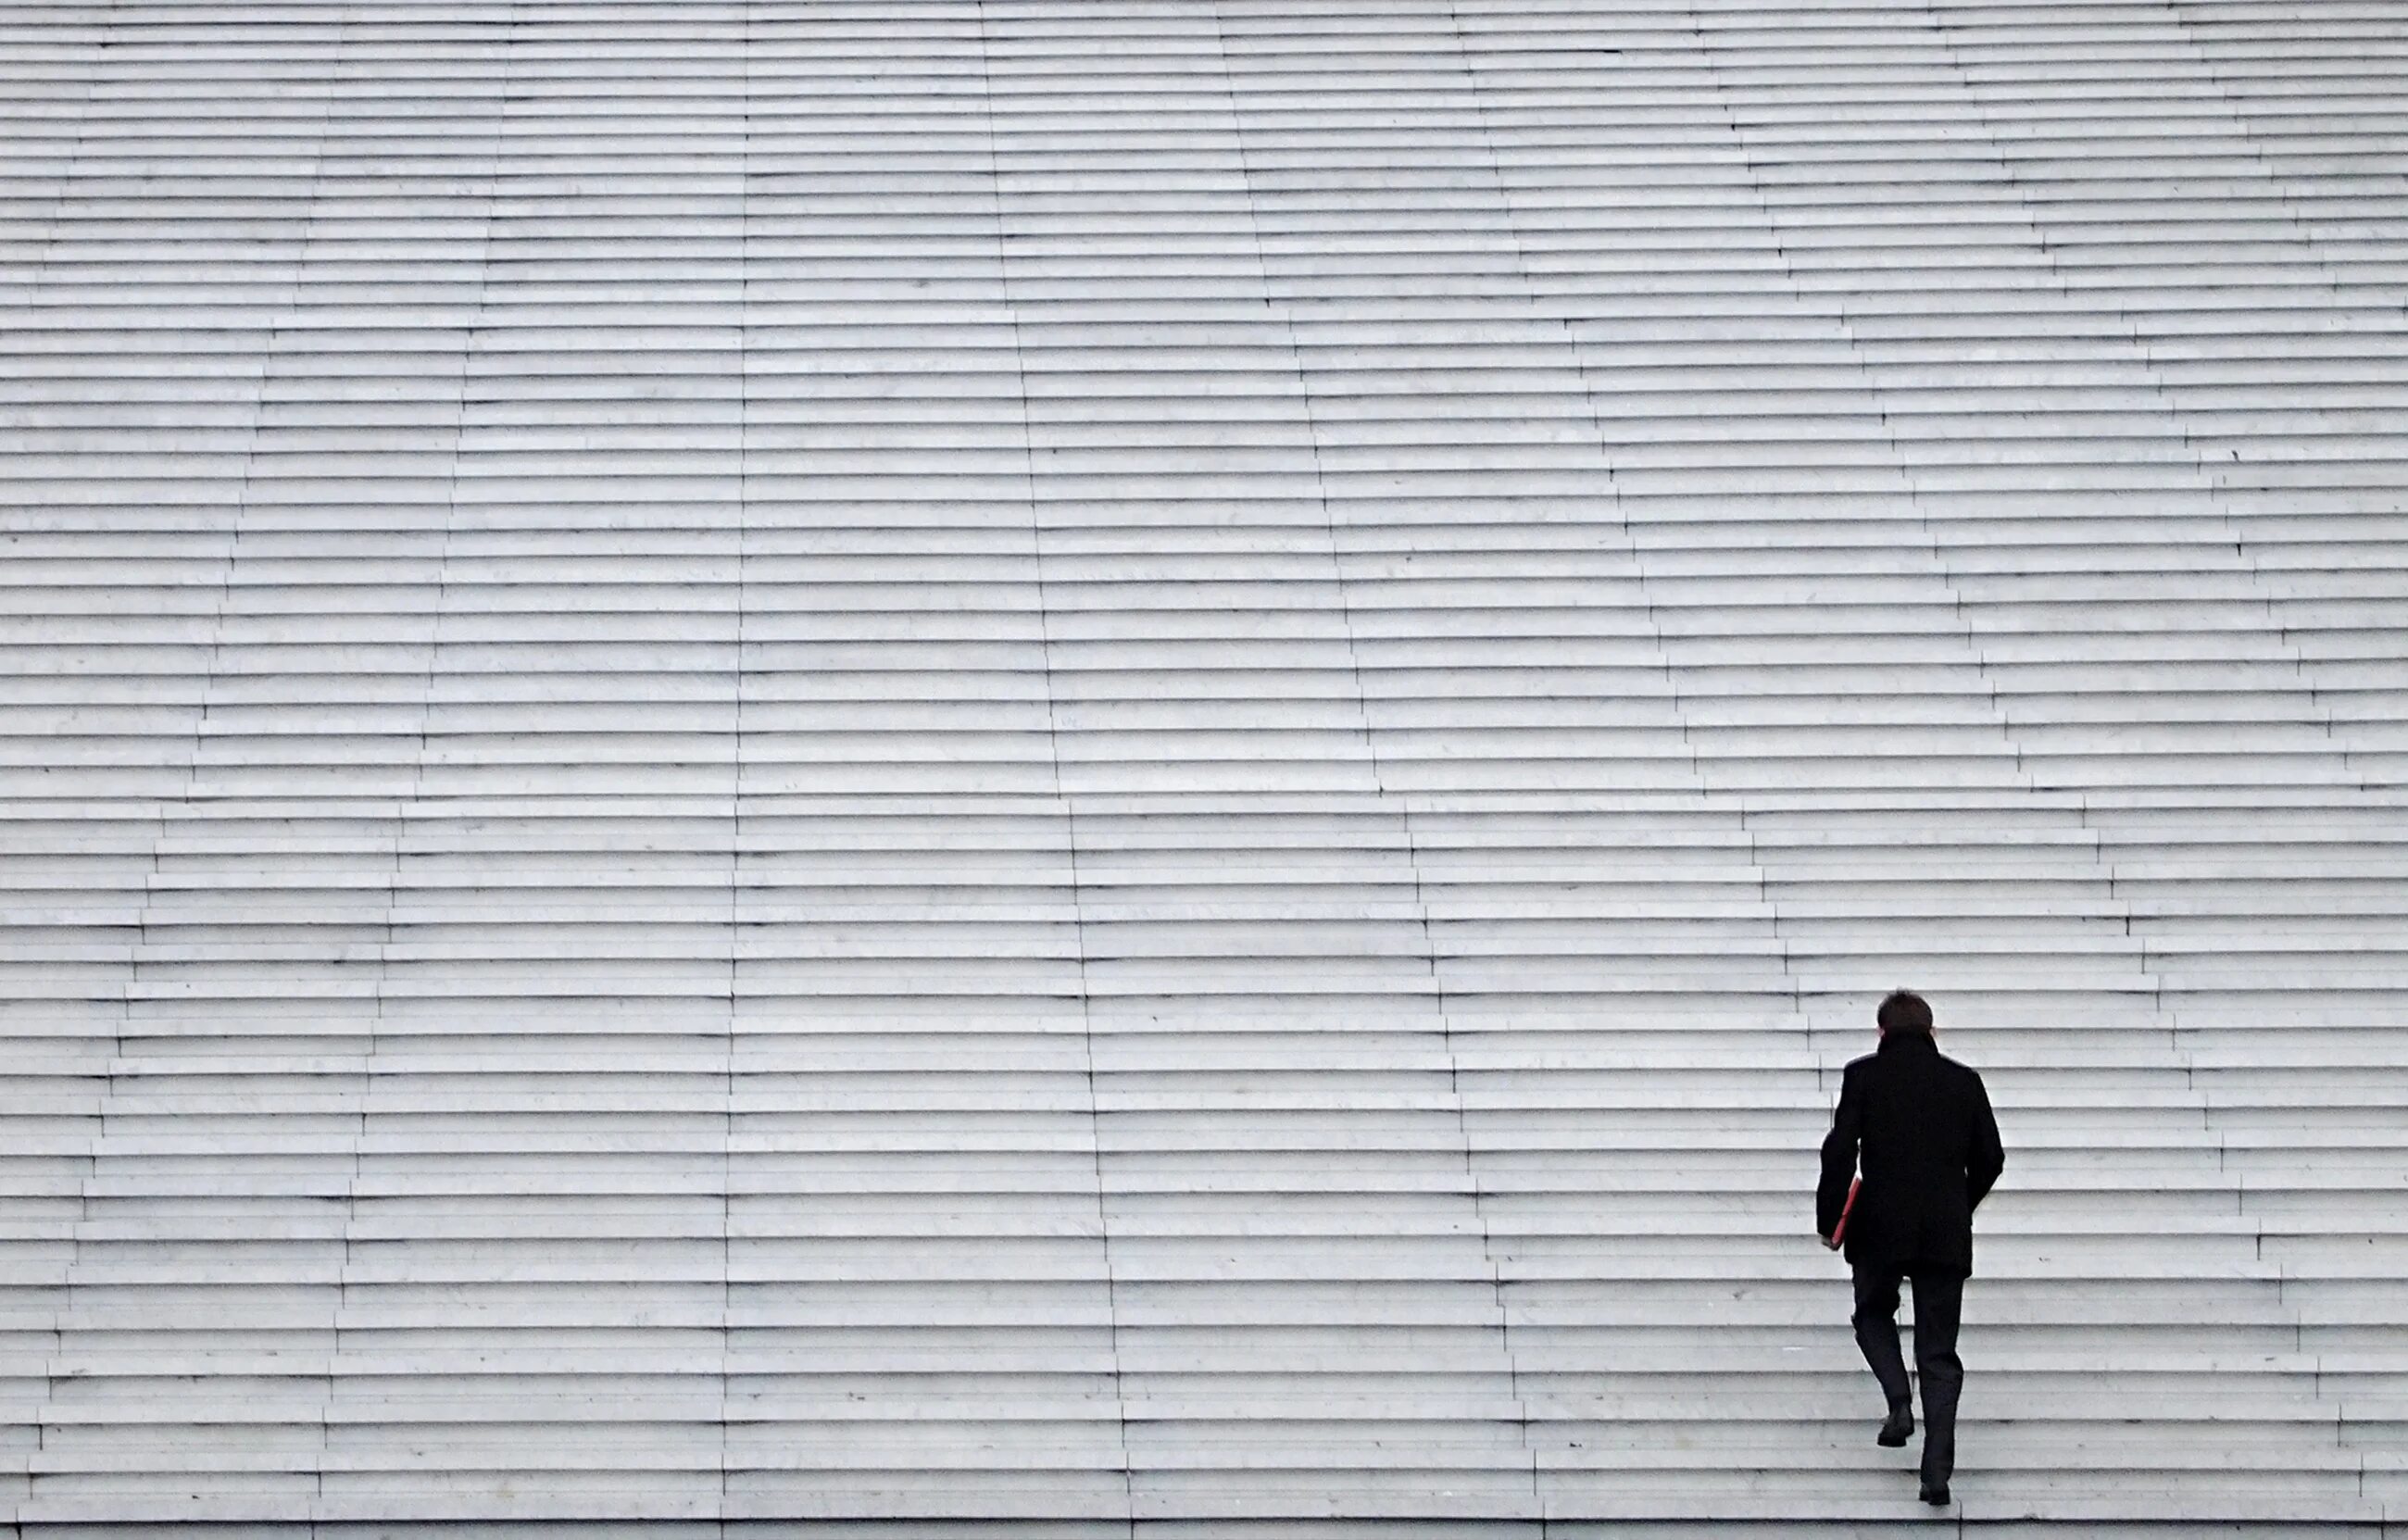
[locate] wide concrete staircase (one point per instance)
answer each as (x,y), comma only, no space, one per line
(1136,764)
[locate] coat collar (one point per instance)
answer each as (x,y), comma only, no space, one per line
(1908,1045)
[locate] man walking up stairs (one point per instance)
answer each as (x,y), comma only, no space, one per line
(1921,1126)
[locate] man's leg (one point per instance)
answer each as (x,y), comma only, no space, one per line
(1939,1300)
(1876,1323)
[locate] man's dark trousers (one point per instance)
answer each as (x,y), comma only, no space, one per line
(1939,1299)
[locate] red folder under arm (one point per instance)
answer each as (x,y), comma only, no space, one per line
(1840,1231)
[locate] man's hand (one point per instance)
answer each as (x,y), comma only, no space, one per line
(1829,1244)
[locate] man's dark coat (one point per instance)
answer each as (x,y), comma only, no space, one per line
(1922,1126)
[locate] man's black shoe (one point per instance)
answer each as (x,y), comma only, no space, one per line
(1936,1496)
(1898,1429)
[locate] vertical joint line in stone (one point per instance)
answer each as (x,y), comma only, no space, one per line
(1063,795)
(735,771)
(1446,1019)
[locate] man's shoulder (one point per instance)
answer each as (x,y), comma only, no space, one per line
(1921,1066)
(1963,1074)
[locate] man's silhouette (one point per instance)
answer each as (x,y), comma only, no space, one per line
(1921,1125)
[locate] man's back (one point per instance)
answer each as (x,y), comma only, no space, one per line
(1921,1126)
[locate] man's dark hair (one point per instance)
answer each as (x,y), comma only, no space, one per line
(1905,1014)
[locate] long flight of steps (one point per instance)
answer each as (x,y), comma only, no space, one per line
(1136,764)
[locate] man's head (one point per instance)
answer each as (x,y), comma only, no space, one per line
(1905,1014)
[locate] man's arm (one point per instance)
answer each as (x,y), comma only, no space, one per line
(1840,1154)
(1988,1158)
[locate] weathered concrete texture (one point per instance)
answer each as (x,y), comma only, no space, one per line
(1136,764)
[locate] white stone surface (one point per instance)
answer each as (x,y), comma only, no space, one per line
(1134,765)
